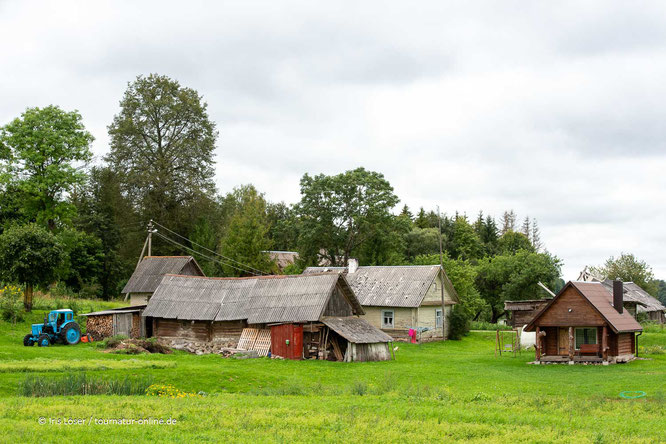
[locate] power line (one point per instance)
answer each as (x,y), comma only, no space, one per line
(203,255)
(209,250)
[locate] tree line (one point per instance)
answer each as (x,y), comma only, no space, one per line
(65,219)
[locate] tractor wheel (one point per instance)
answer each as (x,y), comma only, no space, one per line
(71,334)
(43,340)
(27,341)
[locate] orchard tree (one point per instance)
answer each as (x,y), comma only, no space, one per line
(42,153)
(30,255)
(162,144)
(340,213)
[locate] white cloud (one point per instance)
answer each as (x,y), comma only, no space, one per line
(553,110)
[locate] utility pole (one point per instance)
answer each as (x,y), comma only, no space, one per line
(441,271)
(150,237)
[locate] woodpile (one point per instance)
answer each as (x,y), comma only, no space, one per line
(99,327)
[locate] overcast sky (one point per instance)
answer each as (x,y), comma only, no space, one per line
(553,109)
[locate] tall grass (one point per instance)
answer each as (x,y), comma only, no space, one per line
(81,384)
(653,327)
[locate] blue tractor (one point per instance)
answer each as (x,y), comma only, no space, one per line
(58,326)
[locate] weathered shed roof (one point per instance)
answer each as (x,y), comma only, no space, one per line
(602,300)
(634,293)
(130,309)
(262,299)
(356,330)
(151,269)
(391,286)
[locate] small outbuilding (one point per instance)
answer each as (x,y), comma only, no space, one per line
(125,321)
(311,316)
(585,322)
(150,271)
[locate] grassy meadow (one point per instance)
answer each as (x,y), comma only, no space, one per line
(435,392)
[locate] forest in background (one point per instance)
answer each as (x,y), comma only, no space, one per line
(80,227)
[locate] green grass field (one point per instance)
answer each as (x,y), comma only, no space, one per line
(436,392)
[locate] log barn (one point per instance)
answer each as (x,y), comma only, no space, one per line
(396,299)
(305,316)
(585,322)
(149,272)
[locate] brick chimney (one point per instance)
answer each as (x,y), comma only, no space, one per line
(352,265)
(618,295)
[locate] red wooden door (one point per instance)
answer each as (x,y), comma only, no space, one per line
(287,341)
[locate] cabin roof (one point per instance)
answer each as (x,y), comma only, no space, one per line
(634,293)
(391,286)
(602,300)
(151,269)
(356,330)
(261,299)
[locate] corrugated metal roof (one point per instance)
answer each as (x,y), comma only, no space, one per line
(264,299)
(356,330)
(150,270)
(129,309)
(389,286)
(635,293)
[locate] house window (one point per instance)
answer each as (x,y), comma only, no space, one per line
(585,336)
(387,318)
(438,318)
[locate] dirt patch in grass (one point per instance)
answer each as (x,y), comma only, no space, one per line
(136,346)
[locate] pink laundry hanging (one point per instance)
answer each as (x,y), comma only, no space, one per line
(412,334)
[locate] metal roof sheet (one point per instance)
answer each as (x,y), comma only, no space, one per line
(265,299)
(356,330)
(634,293)
(389,286)
(151,269)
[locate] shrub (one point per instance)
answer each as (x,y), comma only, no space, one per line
(458,323)
(482,325)
(80,384)
(11,306)
(359,388)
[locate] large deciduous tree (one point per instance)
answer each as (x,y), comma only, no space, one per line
(162,144)
(30,255)
(245,240)
(514,277)
(42,154)
(629,269)
(340,213)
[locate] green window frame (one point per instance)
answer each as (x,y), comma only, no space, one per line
(585,335)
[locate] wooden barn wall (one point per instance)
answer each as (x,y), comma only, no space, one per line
(338,305)
(368,352)
(171,328)
(582,314)
(227,331)
(190,270)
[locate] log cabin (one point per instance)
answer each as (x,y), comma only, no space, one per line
(399,298)
(584,322)
(303,316)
